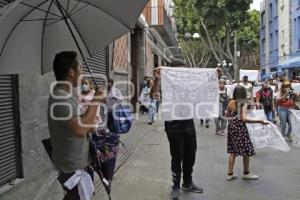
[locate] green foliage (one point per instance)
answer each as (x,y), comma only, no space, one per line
(248,32)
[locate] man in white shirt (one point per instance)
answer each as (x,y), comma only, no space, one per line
(247,86)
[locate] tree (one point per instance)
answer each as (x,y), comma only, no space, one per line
(217,21)
(196,54)
(248,40)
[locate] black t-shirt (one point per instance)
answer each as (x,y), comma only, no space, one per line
(180,126)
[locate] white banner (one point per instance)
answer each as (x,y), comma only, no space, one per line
(263,136)
(145,97)
(230,90)
(252,74)
(189,93)
(296,87)
(295,120)
(255,90)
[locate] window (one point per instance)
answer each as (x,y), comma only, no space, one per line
(295,34)
(271,43)
(276,8)
(263,19)
(271,12)
(276,40)
(263,46)
(298,32)
(282,39)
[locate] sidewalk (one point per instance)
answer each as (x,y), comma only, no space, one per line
(146,174)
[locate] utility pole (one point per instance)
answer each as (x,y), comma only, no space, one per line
(236,73)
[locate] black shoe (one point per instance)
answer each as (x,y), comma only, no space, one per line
(191,188)
(150,123)
(175,193)
(207,125)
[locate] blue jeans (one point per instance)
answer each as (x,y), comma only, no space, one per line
(284,116)
(152,110)
(221,121)
(269,115)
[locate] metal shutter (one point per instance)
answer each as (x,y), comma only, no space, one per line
(98,64)
(9,129)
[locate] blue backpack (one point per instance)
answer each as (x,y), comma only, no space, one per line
(120,120)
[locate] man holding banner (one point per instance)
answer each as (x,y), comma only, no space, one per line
(183,145)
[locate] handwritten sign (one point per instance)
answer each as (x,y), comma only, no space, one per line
(252,74)
(145,97)
(295,120)
(263,136)
(189,93)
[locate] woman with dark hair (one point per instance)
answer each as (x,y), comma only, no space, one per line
(238,139)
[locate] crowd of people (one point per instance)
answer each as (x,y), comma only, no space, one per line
(72,142)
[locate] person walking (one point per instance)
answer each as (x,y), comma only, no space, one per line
(221,120)
(152,110)
(145,98)
(183,145)
(68,128)
(248,87)
(238,139)
(265,101)
(285,101)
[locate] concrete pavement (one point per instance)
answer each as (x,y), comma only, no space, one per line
(146,175)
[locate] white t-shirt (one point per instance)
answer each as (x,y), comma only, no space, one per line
(248,88)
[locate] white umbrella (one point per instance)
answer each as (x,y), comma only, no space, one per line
(33,31)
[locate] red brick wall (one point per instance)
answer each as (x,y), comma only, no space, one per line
(121,54)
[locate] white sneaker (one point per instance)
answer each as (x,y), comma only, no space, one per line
(250,176)
(231,177)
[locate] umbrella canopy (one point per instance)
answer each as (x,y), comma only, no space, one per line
(33,31)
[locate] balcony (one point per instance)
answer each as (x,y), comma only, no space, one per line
(157,18)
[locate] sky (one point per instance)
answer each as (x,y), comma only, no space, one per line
(255,5)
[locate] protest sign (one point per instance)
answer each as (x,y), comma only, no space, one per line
(263,136)
(252,74)
(296,87)
(295,120)
(145,97)
(255,90)
(230,90)
(273,87)
(189,93)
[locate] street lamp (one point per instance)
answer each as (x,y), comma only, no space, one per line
(188,35)
(196,36)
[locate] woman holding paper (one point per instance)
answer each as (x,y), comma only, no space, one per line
(238,139)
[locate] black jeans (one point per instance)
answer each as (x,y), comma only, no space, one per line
(183,146)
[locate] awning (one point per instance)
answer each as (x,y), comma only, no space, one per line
(292,62)
(270,75)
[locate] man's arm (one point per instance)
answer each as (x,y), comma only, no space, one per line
(88,118)
(258,100)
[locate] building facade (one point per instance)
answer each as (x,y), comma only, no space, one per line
(280,37)
(269,36)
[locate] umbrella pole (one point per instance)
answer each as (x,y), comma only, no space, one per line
(76,42)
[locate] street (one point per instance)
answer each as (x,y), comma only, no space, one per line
(146,174)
